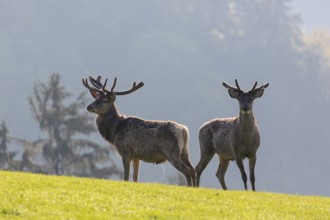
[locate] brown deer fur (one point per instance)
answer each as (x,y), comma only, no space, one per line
(232,138)
(137,139)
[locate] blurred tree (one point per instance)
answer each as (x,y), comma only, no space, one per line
(6,157)
(8,160)
(64,149)
(317,56)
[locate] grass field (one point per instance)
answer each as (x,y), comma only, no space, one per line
(31,196)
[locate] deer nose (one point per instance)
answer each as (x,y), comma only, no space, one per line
(90,108)
(245,108)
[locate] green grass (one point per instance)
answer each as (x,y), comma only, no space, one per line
(30,196)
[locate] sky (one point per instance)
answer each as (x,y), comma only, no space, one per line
(314,14)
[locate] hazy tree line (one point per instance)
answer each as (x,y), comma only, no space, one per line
(65,150)
(182,50)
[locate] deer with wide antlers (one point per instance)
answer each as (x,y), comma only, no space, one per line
(137,139)
(232,138)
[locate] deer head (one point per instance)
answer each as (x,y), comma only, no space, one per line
(245,99)
(104,98)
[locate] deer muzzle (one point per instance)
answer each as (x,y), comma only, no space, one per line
(90,108)
(246,109)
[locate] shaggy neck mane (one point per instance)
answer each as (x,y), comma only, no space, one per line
(107,123)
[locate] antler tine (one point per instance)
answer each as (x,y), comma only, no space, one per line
(238,88)
(264,86)
(104,89)
(114,84)
(85,82)
(225,85)
(228,86)
(134,88)
(96,82)
(254,86)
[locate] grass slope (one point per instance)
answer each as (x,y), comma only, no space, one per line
(31,196)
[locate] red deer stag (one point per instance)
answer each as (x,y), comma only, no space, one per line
(232,138)
(137,139)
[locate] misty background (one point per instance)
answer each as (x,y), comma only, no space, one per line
(182,50)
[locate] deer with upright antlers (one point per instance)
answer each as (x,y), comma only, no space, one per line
(137,139)
(232,138)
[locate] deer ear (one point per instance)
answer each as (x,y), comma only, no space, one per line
(111,96)
(233,93)
(95,94)
(259,93)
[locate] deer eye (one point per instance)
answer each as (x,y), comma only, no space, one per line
(104,101)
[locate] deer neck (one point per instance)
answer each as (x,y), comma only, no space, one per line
(246,123)
(107,123)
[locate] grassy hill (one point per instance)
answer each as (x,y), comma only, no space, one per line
(31,196)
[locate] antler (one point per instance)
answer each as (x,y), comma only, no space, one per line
(133,89)
(96,82)
(254,86)
(85,82)
(114,84)
(264,86)
(238,89)
(100,87)
(261,87)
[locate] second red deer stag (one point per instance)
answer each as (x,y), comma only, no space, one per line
(232,138)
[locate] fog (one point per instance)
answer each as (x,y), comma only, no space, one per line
(182,51)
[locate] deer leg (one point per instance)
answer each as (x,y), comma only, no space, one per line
(252,163)
(182,167)
(206,156)
(221,172)
(240,165)
(136,166)
(126,164)
(185,159)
